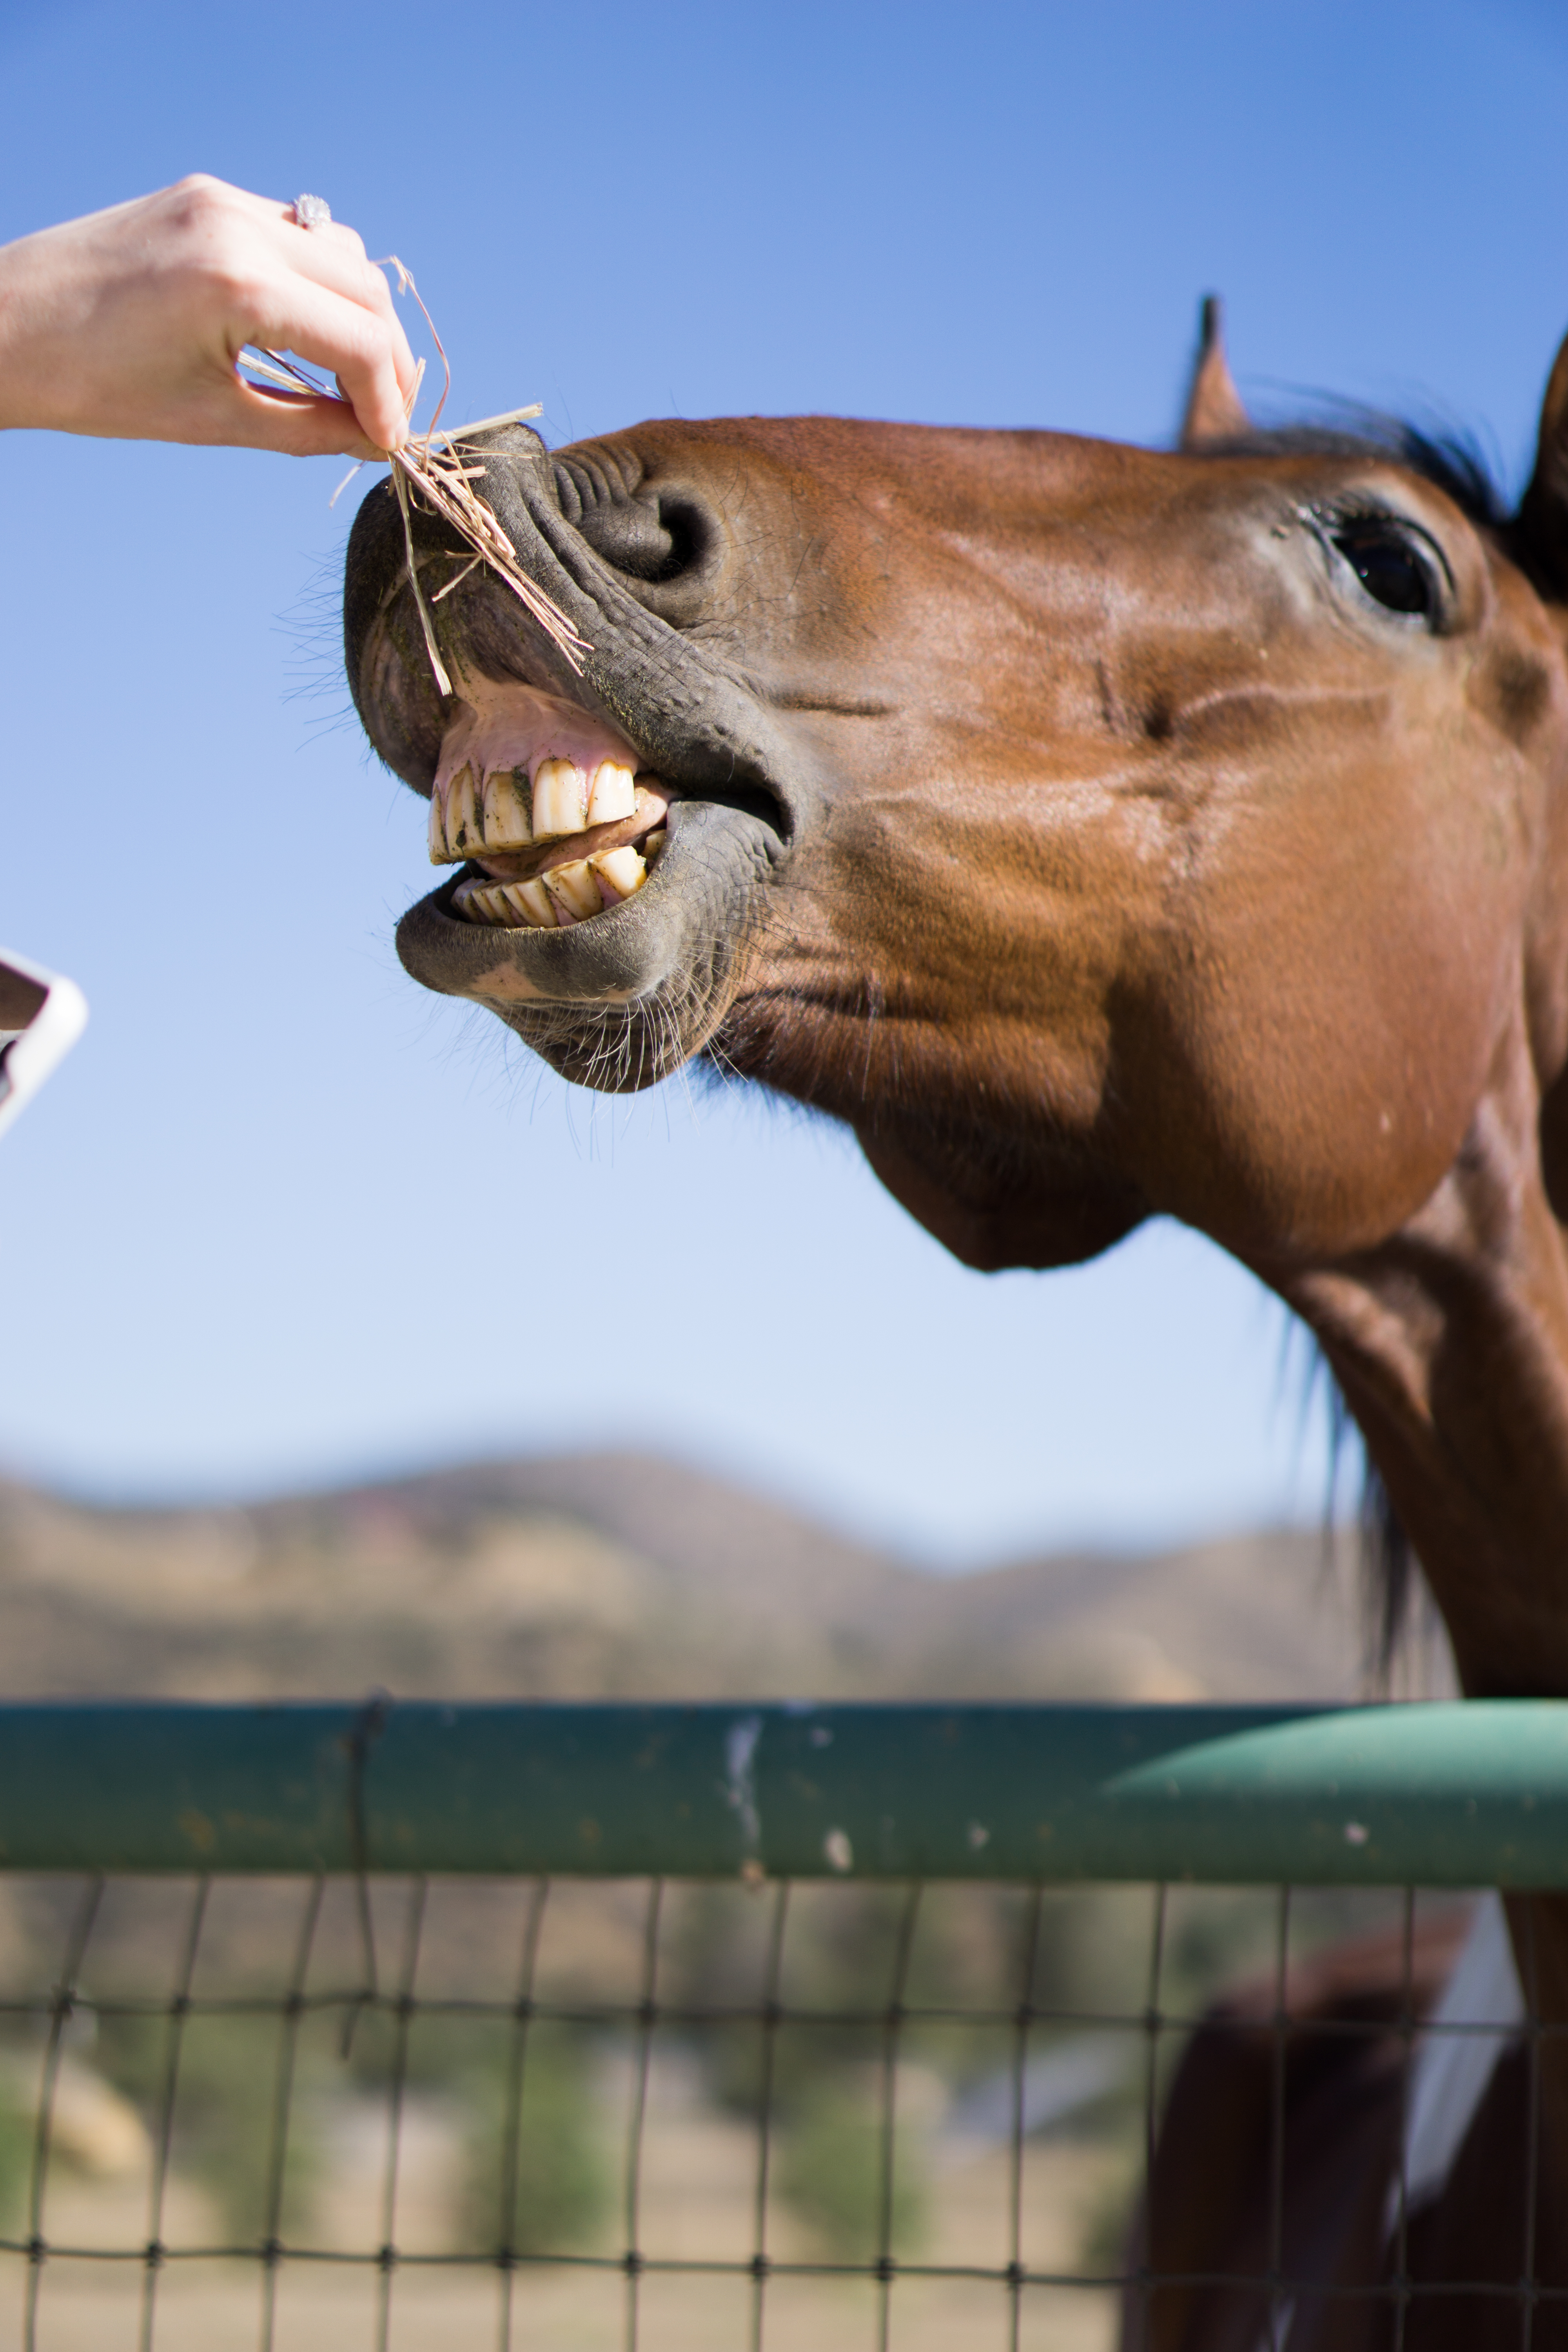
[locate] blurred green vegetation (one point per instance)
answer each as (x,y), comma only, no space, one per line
(223,2134)
(490,2075)
(562,2193)
(224,2110)
(17,2136)
(958,1965)
(831,2170)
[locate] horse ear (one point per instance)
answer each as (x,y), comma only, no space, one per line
(1214,410)
(1543,523)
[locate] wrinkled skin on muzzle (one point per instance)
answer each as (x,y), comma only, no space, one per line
(619,1002)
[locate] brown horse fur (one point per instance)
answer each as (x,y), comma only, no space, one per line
(1318,2110)
(1083,825)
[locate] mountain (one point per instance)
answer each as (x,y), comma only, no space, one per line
(621,1575)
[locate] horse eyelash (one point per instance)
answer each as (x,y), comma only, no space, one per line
(1325,520)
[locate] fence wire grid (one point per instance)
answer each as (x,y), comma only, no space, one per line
(383,2112)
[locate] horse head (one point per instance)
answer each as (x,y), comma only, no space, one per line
(1101,832)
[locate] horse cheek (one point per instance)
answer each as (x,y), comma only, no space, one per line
(1307,1102)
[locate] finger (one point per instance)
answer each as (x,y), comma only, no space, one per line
(331,255)
(344,271)
(217,199)
(298,428)
(273,210)
(326,236)
(358,349)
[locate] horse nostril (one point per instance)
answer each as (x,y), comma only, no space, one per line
(649,541)
(691,532)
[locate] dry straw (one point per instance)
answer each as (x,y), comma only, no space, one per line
(432,468)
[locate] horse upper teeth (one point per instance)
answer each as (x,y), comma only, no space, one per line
(460,815)
(506,810)
(508,814)
(614,792)
(560,799)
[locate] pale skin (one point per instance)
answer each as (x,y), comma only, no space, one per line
(127,325)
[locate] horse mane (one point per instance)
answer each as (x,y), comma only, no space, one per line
(1391,1580)
(1450,458)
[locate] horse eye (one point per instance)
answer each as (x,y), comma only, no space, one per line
(1393,569)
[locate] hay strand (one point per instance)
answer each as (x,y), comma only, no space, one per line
(432,467)
(457,579)
(437,665)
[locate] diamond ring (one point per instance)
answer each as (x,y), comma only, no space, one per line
(312,212)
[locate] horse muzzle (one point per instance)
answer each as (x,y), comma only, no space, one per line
(611,826)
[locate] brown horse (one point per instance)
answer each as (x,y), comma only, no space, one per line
(1102,833)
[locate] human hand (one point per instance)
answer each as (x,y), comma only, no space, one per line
(128,324)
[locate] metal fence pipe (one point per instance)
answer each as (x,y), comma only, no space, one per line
(1437,1795)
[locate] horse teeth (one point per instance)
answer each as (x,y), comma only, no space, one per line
(560,799)
(481,905)
(506,810)
(614,792)
(574,888)
(620,872)
(506,905)
(452,805)
(485,806)
(533,902)
(465,833)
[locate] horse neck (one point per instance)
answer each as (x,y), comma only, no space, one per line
(1451,1344)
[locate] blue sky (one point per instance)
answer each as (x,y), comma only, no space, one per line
(235,1224)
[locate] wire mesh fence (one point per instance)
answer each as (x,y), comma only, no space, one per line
(366,2107)
(295,2112)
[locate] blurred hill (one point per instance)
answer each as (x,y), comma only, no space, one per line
(620,1575)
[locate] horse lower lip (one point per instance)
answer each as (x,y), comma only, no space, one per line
(621,1003)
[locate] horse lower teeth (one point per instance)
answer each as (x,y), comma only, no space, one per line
(575,888)
(574,893)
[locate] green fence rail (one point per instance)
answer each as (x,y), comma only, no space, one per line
(1453,1795)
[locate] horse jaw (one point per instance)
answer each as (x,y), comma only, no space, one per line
(991,1223)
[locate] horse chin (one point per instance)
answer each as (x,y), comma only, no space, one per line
(619,1002)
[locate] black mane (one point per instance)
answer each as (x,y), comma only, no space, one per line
(1451,461)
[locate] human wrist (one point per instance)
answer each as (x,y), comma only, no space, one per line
(24,372)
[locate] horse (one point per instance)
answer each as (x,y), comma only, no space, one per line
(1101,833)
